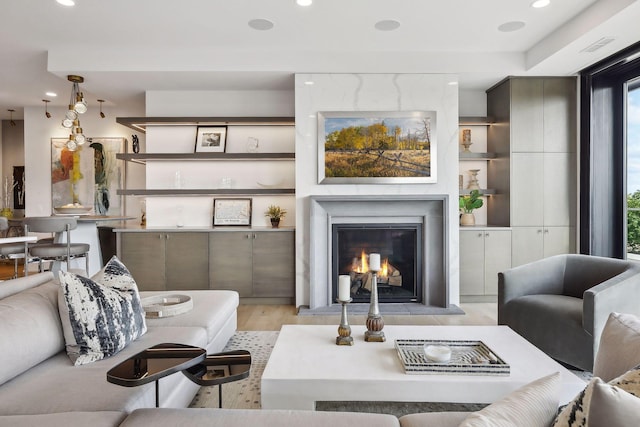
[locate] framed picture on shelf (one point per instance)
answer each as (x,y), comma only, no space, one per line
(211,139)
(231,212)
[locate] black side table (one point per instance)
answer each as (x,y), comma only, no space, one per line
(154,363)
(220,368)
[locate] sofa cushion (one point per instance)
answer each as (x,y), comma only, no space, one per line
(30,330)
(435,419)
(250,418)
(66,419)
(100,319)
(533,405)
(613,407)
(575,413)
(619,348)
(55,385)
(12,287)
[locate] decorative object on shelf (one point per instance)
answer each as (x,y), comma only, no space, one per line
(467,205)
(77,106)
(375,323)
(437,353)
(87,178)
(143,210)
(473,180)
(211,139)
(136,143)
(231,212)
(252,144)
(466,140)
(7,194)
(344,297)
(275,214)
(460,182)
(377,147)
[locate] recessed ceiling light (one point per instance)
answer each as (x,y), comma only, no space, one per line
(540,3)
(308,82)
(304,2)
(453,83)
(387,25)
(51,94)
(508,27)
(66,2)
(261,24)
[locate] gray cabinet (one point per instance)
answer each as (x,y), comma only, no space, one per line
(166,261)
(483,254)
(257,264)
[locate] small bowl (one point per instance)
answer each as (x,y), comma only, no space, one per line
(437,353)
(69,210)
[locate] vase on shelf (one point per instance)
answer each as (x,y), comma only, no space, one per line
(467,219)
(275,223)
(466,140)
(473,180)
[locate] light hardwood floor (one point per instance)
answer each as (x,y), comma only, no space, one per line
(272,317)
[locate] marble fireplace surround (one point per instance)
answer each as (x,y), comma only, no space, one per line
(428,210)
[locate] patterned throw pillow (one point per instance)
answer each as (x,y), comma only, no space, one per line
(100,316)
(575,412)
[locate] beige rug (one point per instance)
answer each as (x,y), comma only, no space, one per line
(244,394)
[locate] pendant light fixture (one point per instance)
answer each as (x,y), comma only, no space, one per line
(11,122)
(77,106)
(101,113)
(47,114)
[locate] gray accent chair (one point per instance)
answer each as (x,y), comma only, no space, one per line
(561,303)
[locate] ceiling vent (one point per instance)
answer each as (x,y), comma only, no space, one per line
(598,44)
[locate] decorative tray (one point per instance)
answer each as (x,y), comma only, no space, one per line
(166,305)
(467,358)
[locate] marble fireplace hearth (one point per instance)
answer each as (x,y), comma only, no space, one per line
(427,210)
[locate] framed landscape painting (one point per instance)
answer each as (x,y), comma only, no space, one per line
(377,147)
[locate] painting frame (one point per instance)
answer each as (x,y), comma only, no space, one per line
(211,139)
(232,211)
(101,175)
(407,158)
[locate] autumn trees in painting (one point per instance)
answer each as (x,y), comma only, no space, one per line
(377,147)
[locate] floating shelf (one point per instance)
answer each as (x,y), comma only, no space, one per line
(476,156)
(475,121)
(483,191)
(143,157)
(139,124)
(207,192)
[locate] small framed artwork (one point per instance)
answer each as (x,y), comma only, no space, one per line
(211,139)
(231,212)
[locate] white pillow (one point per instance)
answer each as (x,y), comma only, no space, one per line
(619,348)
(613,407)
(533,405)
(99,320)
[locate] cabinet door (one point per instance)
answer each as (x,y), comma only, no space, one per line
(527,189)
(187,261)
(527,114)
(559,115)
(273,264)
(230,261)
(144,256)
(527,245)
(471,262)
(497,258)
(559,240)
(559,189)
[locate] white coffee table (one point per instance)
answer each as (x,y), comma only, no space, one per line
(307,366)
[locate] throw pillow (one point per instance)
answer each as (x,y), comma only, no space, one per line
(532,405)
(619,348)
(613,407)
(576,412)
(100,319)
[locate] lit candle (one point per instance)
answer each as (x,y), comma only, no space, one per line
(374,262)
(344,288)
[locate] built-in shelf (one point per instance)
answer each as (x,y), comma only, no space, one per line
(142,158)
(206,192)
(476,156)
(139,124)
(475,121)
(483,191)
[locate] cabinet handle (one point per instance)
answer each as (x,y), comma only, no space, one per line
(479,234)
(255,236)
(247,236)
(487,235)
(539,231)
(546,231)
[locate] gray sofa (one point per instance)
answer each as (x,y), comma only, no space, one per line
(561,303)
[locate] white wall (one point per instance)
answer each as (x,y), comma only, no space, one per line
(374,92)
(38,131)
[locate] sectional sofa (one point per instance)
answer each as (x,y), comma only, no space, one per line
(40,386)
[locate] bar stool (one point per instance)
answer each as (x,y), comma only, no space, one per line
(56,251)
(12,251)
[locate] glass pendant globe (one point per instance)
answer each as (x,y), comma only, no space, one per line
(80,139)
(71,145)
(67,123)
(81,106)
(71,115)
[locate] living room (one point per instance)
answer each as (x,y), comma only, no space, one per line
(215,86)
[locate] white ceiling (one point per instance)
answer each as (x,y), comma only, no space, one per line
(125,47)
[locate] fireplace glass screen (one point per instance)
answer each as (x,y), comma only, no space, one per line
(400,249)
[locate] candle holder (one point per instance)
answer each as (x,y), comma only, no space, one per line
(375,324)
(344,330)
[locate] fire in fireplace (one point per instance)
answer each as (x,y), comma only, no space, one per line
(400,249)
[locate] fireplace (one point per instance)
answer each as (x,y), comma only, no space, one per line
(400,248)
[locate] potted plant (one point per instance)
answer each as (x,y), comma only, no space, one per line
(467,204)
(275,214)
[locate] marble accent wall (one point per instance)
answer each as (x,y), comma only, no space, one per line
(374,92)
